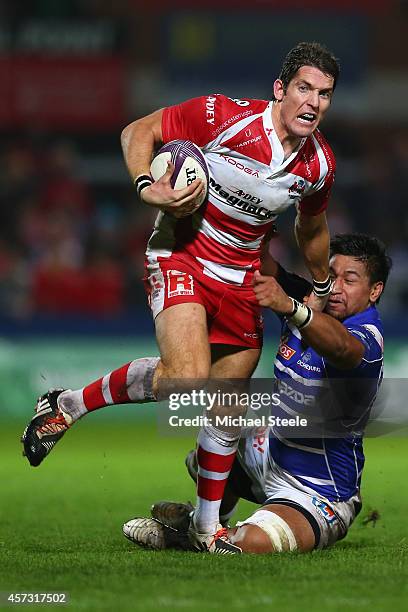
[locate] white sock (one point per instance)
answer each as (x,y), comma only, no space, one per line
(131,383)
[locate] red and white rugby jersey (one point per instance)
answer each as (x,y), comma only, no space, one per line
(250,184)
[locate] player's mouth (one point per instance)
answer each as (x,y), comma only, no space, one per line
(335,303)
(307,118)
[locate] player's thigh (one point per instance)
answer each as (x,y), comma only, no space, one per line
(275,528)
(182,336)
(233,361)
(237,324)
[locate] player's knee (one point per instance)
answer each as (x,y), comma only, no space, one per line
(252,539)
(265,532)
(190,371)
(178,378)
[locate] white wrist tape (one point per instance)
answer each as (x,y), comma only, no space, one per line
(322,288)
(277,530)
(301,315)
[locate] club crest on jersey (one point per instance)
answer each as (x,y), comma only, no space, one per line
(324,509)
(179,283)
(297,189)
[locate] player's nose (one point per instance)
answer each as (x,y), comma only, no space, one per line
(337,286)
(314,99)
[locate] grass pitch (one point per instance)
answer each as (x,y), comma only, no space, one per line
(61,531)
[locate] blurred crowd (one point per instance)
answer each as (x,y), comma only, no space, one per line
(67,245)
(70,244)
(72,232)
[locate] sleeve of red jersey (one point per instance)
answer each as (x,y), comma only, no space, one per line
(202,119)
(317,202)
(191,120)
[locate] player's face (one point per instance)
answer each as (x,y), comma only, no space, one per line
(352,290)
(305,102)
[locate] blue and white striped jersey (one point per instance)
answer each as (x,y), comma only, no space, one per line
(329,458)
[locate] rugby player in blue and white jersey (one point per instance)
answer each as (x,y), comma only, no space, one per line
(309,487)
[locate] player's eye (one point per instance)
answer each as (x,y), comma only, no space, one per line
(325,94)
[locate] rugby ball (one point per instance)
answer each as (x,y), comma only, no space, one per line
(189,164)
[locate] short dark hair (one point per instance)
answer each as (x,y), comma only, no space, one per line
(367,249)
(309,54)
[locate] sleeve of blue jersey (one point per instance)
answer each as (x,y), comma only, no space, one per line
(373,351)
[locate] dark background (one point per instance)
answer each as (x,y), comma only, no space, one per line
(73,73)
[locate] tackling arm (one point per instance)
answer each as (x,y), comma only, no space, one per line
(269,265)
(324,334)
(313,238)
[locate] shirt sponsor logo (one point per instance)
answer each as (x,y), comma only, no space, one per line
(251,335)
(324,510)
(247,196)
(286,351)
(241,204)
(308,160)
(297,396)
(179,283)
(210,109)
(248,142)
(259,439)
(157,285)
(239,165)
(307,366)
(233,119)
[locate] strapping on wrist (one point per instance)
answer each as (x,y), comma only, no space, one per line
(141,182)
(301,315)
(322,288)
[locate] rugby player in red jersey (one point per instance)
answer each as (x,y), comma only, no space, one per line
(263,157)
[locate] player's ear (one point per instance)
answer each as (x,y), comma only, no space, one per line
(278,90)
(376,291)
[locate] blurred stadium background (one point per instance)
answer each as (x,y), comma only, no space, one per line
(73,73)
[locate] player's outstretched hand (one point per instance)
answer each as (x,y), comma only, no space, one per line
(179,202)
(269,293)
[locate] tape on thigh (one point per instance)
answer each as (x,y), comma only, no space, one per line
(278,531)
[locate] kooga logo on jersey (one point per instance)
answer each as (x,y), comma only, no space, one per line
(255,211)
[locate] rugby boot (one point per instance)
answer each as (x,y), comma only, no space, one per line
(153,534)
(47,426)
(217,543)
(173,514)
